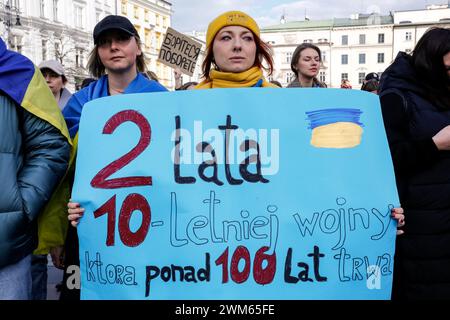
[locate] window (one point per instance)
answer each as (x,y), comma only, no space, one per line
(322,76)
(289,77)
(381,38)
(362,39)
(136,12)
(19,44)
(79,61)
(78,16)
(81,58)
(362,58)
(324,56)
(15,43)
(55,10)
(148,38)
(138,29)
(57,53)
(408,36)
(288,57)
(344,40)
(381,58)
(164,22)
(42,7)
(44,50)
(124,7)
(361,77)
(158,40)
(77,58)
(344,76)
(308,41)
(344,59)
(146,15)
(157,20)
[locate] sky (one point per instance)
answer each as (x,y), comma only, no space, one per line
(190,15)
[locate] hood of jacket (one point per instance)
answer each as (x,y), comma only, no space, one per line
(401,75)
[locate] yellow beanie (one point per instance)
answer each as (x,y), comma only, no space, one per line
(230,18)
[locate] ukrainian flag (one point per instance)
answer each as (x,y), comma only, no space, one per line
(23,82)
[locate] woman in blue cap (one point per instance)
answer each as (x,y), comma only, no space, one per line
(118,62)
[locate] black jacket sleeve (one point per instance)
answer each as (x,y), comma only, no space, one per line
(45,159)
(408,155)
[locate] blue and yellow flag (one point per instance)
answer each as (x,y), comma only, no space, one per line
(23,82)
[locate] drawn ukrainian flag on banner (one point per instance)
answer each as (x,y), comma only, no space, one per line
(23,82)
(338,128)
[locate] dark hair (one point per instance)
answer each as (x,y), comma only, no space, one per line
(298,51)
(86,82)
(187,85)
(97,69)
(427,59)
(370,85)
(263,52)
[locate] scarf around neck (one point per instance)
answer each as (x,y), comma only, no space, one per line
(246,79)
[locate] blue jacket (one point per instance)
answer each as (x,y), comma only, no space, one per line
(99,89)
(33,158)
(34,153)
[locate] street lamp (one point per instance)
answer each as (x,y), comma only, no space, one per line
(7,13)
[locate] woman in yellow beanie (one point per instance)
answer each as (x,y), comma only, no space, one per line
(235,53)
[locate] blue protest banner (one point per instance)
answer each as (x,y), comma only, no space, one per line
(236,194)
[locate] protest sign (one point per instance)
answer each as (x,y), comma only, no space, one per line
(180,51)
(235,194)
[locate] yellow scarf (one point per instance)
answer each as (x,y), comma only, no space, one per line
(234,80)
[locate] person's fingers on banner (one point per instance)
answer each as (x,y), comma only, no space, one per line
(398,214)
(75,213)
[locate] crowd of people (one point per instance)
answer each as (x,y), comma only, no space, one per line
(40,124)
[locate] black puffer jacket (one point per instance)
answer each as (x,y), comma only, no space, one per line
(33,158)
(422,266)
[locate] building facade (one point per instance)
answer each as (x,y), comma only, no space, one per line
(352,47)
(57,29)
(62,30)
